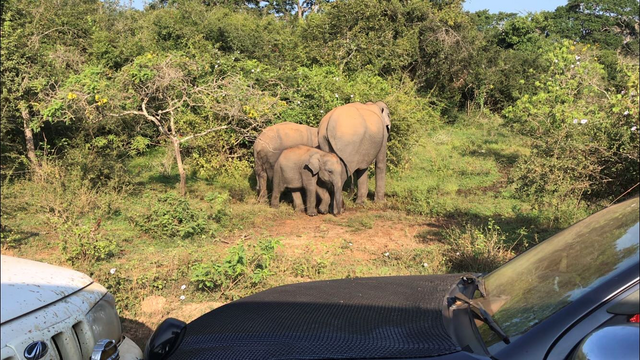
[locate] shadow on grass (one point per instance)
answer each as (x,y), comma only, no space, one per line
(519,230)
(14,238)
(169,181)
(503,158)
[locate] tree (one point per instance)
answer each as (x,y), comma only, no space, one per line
(182,98)
(614,24)
(584,138)
(43,43)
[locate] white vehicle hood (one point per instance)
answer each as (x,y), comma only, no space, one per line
(29,285)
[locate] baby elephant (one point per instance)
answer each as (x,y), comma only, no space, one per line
(301,167)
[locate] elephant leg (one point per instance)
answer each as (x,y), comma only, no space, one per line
(363,185)
(298,204)
(310,189)
(325,200)
(277,189)
(381,172)
(262,186)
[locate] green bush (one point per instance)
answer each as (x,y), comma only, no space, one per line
(236,177)
(123,289)
(243,268)
(219,206)
(310,267)
(172,217)
(476,249)
(584,138)
(83,244)
(10,239)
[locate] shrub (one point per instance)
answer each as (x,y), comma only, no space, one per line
(218,202)
(123,289)
(83,244)
(584,139)
(10,239)
(172,217)
(235,177)
(242,268)
(476,249)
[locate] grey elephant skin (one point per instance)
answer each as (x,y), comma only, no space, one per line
(270,144)
(303,167)
(358,134)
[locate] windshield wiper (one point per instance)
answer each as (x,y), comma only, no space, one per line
(477,307)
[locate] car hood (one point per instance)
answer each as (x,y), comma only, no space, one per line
(383,317)
(29,285)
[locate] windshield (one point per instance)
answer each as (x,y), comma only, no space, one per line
(543,280)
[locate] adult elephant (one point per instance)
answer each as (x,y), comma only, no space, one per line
(270,144)
(358,134)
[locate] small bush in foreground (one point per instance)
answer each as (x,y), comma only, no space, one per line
(172,217)
(476,249)
(83,244)
(243,267)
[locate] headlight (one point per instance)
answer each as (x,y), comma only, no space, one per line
(104,320)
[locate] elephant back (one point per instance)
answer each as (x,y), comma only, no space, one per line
(355,132)
(276,138)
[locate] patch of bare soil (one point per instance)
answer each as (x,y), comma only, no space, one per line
(367,233)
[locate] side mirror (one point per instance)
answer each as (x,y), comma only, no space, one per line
(165,340)
(612,342)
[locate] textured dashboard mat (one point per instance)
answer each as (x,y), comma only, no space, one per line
(377,318)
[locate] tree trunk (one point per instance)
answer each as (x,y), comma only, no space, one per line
(28,137)
(183,175)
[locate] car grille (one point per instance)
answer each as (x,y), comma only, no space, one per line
(69,342)
(72,340)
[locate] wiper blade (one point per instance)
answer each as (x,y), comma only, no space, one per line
(479,310)
(476,283)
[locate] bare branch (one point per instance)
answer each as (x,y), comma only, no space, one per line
(170,110)
(146,115)
(204,133)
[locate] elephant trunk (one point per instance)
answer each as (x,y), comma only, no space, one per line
(337,197)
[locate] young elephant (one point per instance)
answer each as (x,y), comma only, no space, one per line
(301,167)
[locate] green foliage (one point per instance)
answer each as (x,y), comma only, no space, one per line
(234,176)
(94,167)
(219,202)
(172,217)
(123,290)
(89,78)
(10,239)
(82,244)
(469,160)
(310,268)
(242,268)
(610,23)
(477,249)
(139,144)
(521,32)
(578,130)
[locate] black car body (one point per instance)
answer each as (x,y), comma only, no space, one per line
(540,305)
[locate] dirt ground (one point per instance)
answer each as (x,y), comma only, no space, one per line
(368,234)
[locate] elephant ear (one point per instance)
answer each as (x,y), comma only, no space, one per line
(314,164)
(384,111)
